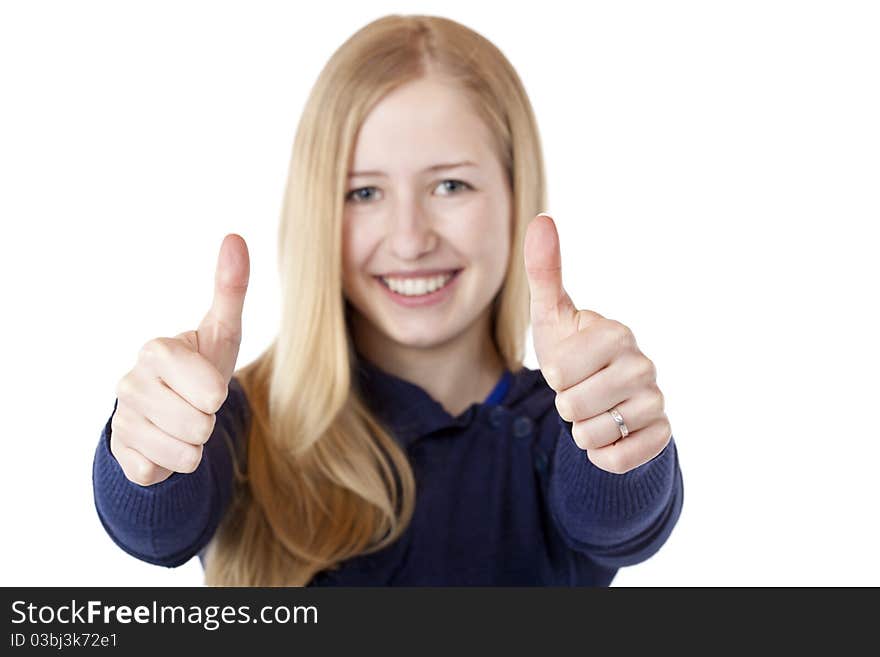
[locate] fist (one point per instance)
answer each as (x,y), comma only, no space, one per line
(593,363)
(166,404)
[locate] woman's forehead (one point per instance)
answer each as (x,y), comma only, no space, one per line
(413,133)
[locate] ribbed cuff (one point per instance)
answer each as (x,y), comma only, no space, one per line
(597,508)
(159,523)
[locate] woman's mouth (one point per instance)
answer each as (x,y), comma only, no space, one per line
(421,290)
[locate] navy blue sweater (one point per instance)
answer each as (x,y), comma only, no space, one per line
(504,495)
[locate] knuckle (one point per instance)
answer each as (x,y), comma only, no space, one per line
(623,337)
(658,436)
(552,375)
(564,409)
(609,459)
(583,438)
(659,401)
(203,427)
(114,425)
(142,472)
(665,431)
(579,436)
(114,448)
(189,458)
(216,396)
(124,387)
(153,351)
(119,422)
(651,409)
(145,353)
(615,461)
(597,459)
(647,370)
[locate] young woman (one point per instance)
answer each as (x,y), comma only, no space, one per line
(390,434)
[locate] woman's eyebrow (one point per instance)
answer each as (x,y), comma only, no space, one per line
(436,167)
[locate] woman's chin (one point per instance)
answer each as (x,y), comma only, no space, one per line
(418,337)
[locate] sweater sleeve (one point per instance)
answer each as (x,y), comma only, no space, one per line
(169,522)
(616,519)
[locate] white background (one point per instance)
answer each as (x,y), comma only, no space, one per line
(713,170)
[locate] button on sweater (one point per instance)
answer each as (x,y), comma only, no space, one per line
(504,496)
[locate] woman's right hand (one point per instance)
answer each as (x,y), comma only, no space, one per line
(166,404)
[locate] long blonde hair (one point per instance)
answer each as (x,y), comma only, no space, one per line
(323,480)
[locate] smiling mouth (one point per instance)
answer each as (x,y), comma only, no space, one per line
(417,287)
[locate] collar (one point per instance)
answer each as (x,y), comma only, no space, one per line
(410,412)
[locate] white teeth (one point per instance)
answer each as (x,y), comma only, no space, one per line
(412,287)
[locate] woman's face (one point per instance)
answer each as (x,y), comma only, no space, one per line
(405,215)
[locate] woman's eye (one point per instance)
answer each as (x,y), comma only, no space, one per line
(357,196)
(362,194)
(456,182)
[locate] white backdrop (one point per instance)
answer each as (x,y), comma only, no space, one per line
(713,170)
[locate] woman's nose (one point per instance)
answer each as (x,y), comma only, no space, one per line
(411,232)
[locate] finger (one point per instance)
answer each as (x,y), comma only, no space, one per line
(636,449)
(579,356)
(219,333)
(152,398)
(138,468)
(543,262)
(606,388)
(188,373)
(156,445)
(600,430)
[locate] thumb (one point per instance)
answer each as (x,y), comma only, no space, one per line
(550,304)
(219,334)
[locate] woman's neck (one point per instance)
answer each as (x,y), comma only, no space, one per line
(456,374)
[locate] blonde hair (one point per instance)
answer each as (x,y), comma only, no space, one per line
(324,480)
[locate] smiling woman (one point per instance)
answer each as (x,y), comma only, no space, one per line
(398,364)
(416,136)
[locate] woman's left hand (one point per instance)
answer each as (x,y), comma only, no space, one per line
(593,363)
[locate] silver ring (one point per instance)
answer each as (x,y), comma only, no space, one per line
(624,432)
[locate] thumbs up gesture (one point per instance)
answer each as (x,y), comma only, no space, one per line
(166,404)
(593,364)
